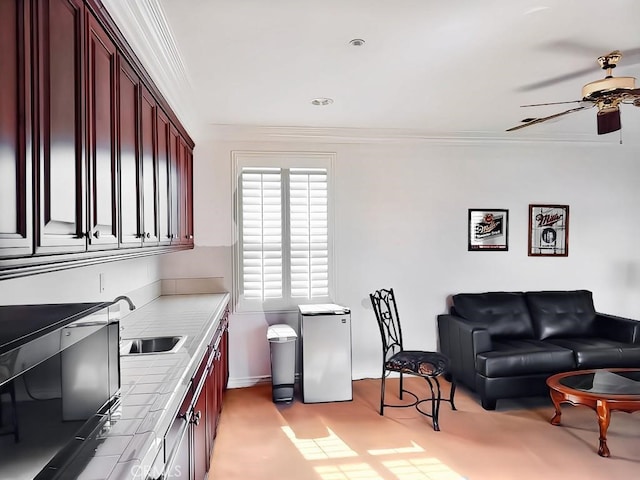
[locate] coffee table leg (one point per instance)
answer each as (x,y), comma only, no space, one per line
(556,398)
(604,417)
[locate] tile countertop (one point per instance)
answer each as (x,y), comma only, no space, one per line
(152,388)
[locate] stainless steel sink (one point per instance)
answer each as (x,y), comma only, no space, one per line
(142,346)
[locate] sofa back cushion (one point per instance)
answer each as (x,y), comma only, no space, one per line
(504,314)
(562,313)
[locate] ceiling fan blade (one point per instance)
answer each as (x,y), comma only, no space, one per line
(559,79)
(544,119)
(630,56)
(552,103)
(608,121)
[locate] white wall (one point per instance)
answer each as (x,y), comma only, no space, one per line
(401,222)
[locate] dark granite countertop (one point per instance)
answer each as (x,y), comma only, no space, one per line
(20,324)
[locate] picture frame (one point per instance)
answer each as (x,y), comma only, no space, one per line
(488,230)
(548,230)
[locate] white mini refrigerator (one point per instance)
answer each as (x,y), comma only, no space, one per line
(325,343)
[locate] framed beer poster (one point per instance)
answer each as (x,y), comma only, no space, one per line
(548,230)
(488,230)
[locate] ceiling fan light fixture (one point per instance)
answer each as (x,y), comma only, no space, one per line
(357,42)
(593,90)
(608,120)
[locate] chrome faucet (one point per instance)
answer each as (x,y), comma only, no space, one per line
(126,299)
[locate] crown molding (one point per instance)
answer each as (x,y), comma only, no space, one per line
(144,25)
(380,136)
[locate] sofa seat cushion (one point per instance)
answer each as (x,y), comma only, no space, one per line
(562,313)
(513,357)
(503,314)
(600,352)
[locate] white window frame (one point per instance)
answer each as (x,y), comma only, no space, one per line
(284,160)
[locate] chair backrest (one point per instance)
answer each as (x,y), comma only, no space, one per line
(384,306)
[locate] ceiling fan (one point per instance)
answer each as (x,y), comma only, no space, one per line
(606,94)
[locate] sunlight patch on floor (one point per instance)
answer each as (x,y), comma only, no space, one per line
(332,446)
(320,448)
(421,469)
(415,448)
(352,471)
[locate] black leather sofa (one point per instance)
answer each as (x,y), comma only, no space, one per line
(506,344)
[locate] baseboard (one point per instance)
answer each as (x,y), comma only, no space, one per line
(248,381)
(243,382)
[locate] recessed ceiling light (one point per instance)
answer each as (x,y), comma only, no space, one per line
(356,42)
(322,101)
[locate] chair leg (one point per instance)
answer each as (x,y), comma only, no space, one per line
(401,386)
(436,396)
(382,382)
(452,393)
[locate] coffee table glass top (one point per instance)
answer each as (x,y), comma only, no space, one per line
(605,382)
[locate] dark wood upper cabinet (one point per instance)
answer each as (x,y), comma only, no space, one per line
(16,233)
(101,150)
(128,155)
(60,126)
(93,161)
(149,169)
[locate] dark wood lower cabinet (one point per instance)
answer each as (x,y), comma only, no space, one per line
(189,441)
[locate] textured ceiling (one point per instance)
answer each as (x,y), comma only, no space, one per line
(459,68)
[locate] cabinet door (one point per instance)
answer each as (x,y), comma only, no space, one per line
(149,170)
(60,80)
(128,156)
(199,448)
(186,194)
(15,130)
(164,186)
(175,162)
(101,151)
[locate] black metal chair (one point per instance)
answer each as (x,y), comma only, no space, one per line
(425,364)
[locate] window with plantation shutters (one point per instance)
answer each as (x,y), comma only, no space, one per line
(262,234)
(283,247)
(309,236)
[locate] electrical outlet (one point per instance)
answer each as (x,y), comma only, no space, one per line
(102,282)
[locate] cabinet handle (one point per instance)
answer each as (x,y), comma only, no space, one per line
(196,418)
(148,235)
(96,234)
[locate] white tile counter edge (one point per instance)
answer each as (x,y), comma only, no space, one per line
(154,385)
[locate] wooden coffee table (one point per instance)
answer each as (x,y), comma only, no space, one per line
(603,390)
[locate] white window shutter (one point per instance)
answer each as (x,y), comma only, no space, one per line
(309,233)
(261,242)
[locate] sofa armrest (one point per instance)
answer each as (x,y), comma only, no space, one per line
(617,328)
(461,340)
